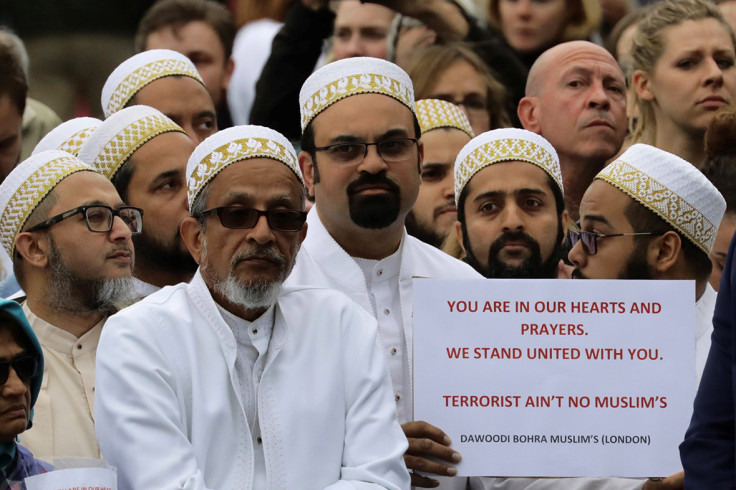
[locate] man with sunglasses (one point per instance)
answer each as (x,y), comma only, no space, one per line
(361,161)
(21,372)
(232,381)
(69,235)
(144,154)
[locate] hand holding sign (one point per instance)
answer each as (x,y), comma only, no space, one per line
(427,441)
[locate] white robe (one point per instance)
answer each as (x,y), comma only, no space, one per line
(168,408)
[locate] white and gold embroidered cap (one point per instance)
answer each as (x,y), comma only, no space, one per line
(436,114)
(505,145)
(121,134)
(671,188)
(68,136)
(233,145)
(353,76)
(138,71)
(27,185)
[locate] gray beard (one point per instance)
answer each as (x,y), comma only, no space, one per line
(254,296)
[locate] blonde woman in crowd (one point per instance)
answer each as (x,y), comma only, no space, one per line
(683,59)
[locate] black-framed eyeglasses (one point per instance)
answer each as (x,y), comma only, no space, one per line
(391,150)
(99,218)
(25,368)
(589,239)
(242,218)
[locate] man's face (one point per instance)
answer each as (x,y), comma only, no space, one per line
(371,194)
(158,187)
(361,30)
(255,258)
(602,210)
(199,42)
(582,104)
(87,271)
(10,131)
(15,394)
(183,100)
(511,226)
(434,213)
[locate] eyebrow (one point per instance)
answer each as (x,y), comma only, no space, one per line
(426,165)
(166,175)
(351,138)
(516,192)
(596,218)
(277,200)
(23,353)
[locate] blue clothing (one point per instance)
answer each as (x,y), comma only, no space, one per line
(9,286)
(26,465)
(707,453)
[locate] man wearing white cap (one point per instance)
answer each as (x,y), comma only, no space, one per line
(144,154)
(445,130)
(362,161)
(168,81)
(232,381)
(68,136)
(69,235)
(511,213)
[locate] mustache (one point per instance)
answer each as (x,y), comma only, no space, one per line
(365,179)
(576,274)
(259,252)
(512,236)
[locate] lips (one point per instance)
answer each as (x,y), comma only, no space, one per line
(449,208)
(18,410)
(600,123)
(713,101)
(120,254)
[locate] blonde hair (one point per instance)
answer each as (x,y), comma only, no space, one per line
(649,45)
(583,19)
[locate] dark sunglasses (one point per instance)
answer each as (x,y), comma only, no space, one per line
(25,368)
(589,239)
(241,218)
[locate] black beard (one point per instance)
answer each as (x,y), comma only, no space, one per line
(531,268)
(423,233)
(375,211)
(170,258)
(637,266)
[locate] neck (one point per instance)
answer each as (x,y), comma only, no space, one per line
(689,146)
(76,323)
(577,175)
(700,289)
(366,243)
(247,314)
(152,273)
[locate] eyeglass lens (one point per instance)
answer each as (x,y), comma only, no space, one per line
(99,218)
(588,239)
(390,150)
(25,368)
(278,219)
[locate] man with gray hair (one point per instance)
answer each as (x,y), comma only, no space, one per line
(232,381)
(69,236)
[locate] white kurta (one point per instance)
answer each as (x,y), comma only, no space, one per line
(168,407)
(323,262)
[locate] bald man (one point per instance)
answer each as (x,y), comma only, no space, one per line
(576,99)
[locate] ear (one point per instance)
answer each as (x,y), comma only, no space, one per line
(229,67)
(528,112)
(664,252)
(307,167)
(565,217)
(191,233)
(642,85)
(34,248)
(459,234)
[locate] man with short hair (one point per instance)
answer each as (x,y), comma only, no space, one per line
(232,381)
(144,154)
(511,214)
(69,234)
(167,81)
(445,130)
(576,99)
(361,161)
(203,31)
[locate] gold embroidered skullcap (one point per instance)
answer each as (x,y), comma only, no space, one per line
(68,136)
(352,76)
(27,185)
(138,71)
(505,145)
(671,188)
(233,145)
(436,114)
(121,134)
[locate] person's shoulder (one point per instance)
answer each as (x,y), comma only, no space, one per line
(430,261)
(167,299)
(314,295)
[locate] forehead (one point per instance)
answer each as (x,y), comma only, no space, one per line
(82,188)
(696,34)
(602,199)
(174,93)
(255,179)
(167,151)
(509,177)
(363,115)
(9,336)
(351,13)
(192,36)
(443,141)
(584,59)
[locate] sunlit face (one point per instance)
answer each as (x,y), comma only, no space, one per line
(581,109)
(464,87)
(693,78)
(720,248)
(183,100)
(434,213)
(511,220)
(10,131)
(199,42)
(532,25)
(361,30)
(158,187)
(15,394)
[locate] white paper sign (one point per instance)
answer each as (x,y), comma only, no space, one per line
(555,377)
(74,479)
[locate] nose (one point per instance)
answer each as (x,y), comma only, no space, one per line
(120,231)
(598,97)
(14,386)
(524,8)
(448,186)
(354,46)
(372,162)
(511,218)
(261,233)
(577,255)
(714,74)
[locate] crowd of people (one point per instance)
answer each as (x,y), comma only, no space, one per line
(208,274)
